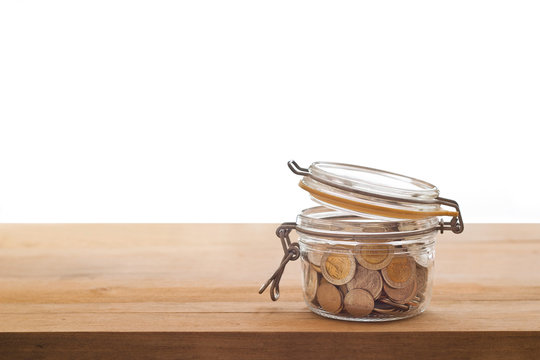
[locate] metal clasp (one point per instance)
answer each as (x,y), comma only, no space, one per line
(456,224)
(291,252)
(297,169)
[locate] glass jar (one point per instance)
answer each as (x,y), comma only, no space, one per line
(368,253)
(360,269)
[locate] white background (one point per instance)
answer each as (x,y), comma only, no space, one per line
(187,111)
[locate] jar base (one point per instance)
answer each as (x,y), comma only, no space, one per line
(373,317)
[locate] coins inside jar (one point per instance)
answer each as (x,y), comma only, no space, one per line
(358,302)
(400,271)
(401,295)
(366,279)
(329,297)
(374,256)
(338,269)
(348,289)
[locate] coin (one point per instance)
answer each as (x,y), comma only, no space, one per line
(359,302)
(383,308)
(315,257)
(311,281)
(366,279)
(330,298)
(401,295)
(395,305)
(338,269)
(374,256)
(399,272)
(421,278)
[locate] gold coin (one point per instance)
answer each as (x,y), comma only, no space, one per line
(315,257)
(421,278)
(401,295)
(374,256)
(311,282)
(338,269)
(400,271)
(359,302)
(330,298)
(366,279)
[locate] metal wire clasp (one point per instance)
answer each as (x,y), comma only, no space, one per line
(291,252)
(456,224)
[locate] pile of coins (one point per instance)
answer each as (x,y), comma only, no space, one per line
(371,280)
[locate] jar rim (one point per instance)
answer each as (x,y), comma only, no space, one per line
(326,222)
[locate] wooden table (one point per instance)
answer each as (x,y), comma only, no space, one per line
(187,291)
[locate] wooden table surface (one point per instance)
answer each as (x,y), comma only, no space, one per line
(183,291)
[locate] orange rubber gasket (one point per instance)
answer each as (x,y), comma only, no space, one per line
(374,209)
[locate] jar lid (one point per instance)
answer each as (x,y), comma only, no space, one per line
(375,193)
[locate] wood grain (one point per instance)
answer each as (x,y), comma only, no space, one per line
(190,291)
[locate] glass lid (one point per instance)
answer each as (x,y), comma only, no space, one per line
(372,193)
(354,177)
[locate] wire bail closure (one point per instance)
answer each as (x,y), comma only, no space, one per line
(291,253)
(455,224)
